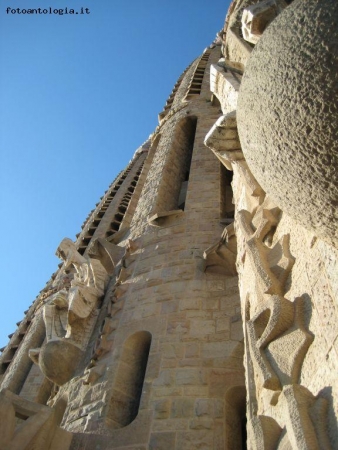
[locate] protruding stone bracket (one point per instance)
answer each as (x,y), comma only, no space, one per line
(224,84)
(109,254)
(164,218)
(221,257)
(119,235)
(257,17)
(223,140)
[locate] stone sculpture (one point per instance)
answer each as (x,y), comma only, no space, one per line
(202,339)
(277,340)
(283,413)
(70,315)
(88,284)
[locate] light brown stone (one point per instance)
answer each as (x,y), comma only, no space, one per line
(201,327)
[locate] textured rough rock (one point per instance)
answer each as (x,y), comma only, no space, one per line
(288,111)
(58,360)
(28,425)
(258,16)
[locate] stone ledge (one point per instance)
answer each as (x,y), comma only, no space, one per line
(163,218)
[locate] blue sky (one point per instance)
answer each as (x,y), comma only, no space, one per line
(78,95)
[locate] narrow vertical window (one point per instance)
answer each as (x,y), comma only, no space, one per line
(174,182)
(187,140)
(226,204)
(235,418)
(127,391)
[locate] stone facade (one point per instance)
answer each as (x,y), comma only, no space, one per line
(196,310)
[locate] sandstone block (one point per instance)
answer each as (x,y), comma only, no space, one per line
(192,350)
(197,439)
(191,376)
(161,408)
(201,423)
(182,407)
(162,441)
(218,349)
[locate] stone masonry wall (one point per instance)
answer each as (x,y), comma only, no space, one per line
(193,316)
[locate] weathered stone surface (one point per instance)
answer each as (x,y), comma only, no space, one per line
(287,114)
(162,441)
(161,408)
(197,439)
(182,407)
(58,360)
(258,16)
(162,360)
(224,83)
(38,425)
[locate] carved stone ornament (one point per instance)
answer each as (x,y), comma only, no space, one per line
(283,414)
(288,415)
(221,257)
(70,315)
(27,425)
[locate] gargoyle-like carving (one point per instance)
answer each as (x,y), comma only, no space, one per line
(288,351)
(296,402)
(70,315)
(281,411)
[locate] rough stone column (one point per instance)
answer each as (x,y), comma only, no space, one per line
(21,364)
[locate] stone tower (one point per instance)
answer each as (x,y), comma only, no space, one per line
(197,308)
